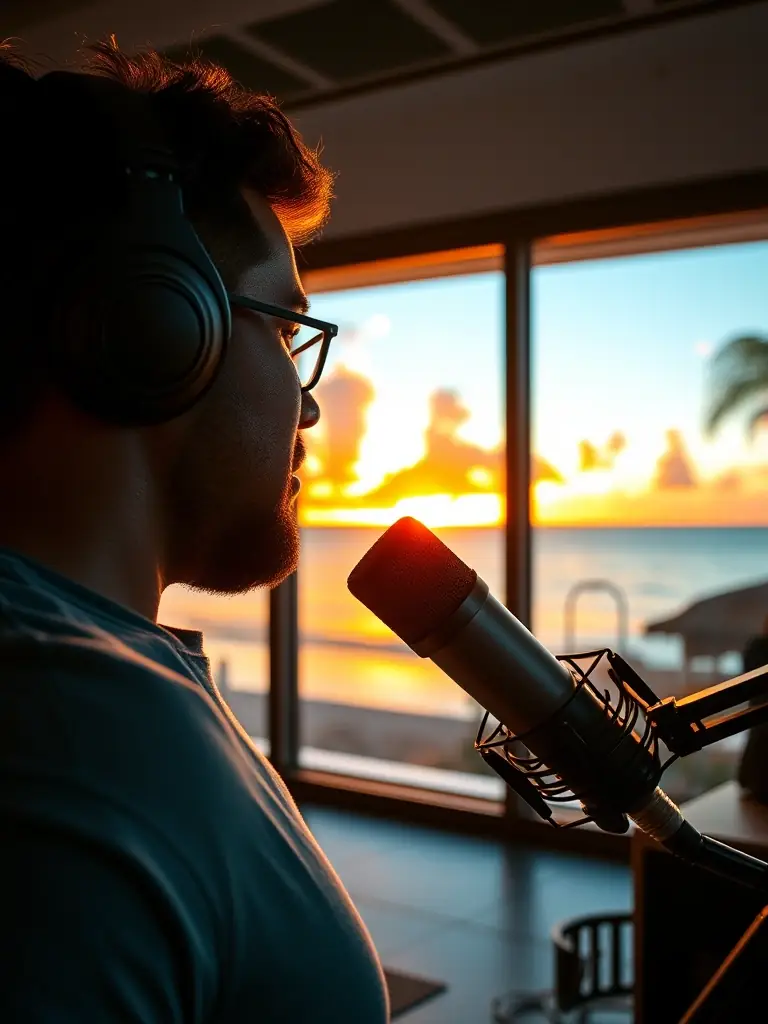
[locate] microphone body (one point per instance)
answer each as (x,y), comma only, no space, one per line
(484,648)
(441,608)
(444,611)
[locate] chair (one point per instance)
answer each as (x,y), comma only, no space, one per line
(592,975)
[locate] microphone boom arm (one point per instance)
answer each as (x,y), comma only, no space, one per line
(679,724)
(682,725)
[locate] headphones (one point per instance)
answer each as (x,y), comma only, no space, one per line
(141,329)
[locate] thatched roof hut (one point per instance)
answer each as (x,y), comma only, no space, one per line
(719,624)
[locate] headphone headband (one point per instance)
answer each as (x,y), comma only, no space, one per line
(142,326)
(133,129)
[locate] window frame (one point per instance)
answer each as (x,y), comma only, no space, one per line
(516,232)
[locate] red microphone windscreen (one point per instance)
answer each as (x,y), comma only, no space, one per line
(410,580)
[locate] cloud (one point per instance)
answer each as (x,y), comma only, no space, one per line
(616,443)
(345,397)
(353,334)
(674,469)
(592,457)
(377,326)
(543,471)
(730,481)
(447,413)
(589,457)
(703,349)
(450,464)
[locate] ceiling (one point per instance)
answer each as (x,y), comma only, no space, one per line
(306,51)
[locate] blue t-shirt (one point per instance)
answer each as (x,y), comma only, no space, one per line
(153,866)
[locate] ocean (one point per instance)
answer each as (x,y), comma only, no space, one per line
(348,656)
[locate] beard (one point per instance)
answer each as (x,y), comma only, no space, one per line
(251,552)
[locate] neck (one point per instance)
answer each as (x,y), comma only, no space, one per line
(84,507)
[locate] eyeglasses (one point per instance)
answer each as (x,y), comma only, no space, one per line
(310,339)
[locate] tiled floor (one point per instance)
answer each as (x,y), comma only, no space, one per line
(470,912)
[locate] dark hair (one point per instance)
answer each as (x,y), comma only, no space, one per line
(57,183)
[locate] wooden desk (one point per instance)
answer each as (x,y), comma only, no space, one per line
(687,919)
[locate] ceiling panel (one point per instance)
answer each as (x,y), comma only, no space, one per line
(305,51)
(245,67)
(494,21)
(16,15)
(347,39)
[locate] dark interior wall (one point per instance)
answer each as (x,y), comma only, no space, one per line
(667,104)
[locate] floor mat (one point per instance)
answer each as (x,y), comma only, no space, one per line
(407,991)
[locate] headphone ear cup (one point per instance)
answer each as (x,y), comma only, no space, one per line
(143,329)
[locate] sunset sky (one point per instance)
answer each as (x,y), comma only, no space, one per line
(412,405)
(412,397)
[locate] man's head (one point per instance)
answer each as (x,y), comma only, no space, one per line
(218,478)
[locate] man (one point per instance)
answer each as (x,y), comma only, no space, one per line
(154,868)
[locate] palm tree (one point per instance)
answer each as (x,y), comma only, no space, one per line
(739,373)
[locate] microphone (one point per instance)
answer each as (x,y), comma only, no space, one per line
(443,611)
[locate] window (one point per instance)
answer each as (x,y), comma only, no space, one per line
(236,641)
(412,424)
(639,512)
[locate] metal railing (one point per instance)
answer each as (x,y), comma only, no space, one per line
(595,586)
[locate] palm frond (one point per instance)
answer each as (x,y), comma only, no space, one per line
(738,372)
(756,419)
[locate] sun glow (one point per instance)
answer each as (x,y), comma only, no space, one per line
(412,416)
(434,510)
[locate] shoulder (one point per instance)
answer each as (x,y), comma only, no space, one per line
(88,723)
(89,672)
